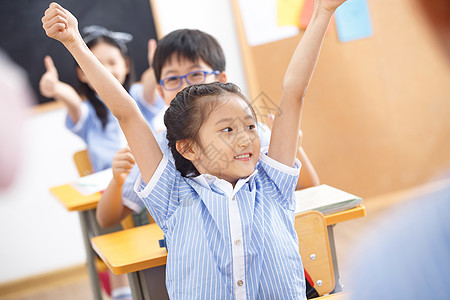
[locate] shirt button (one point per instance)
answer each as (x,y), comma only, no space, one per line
(240,283)
(237,242)
(233,198)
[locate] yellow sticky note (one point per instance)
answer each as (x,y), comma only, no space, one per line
(288,12)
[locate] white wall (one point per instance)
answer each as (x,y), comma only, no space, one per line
(213,17)
(37,233)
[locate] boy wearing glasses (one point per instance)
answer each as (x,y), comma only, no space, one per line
(182,58)
(185,57)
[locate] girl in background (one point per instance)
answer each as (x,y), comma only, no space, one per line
(91,120)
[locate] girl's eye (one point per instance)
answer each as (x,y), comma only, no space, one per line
(228,129)
(171,79)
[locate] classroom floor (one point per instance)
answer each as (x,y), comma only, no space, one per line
(74,289)
(346,236)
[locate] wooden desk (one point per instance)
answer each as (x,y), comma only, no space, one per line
(85,206)
(74,200)
(131,250)
(347,215)
(135,251)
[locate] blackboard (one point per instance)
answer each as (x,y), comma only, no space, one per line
(24,40)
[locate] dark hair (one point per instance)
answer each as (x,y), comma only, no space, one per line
(190,44)
(101,109)
(187,112)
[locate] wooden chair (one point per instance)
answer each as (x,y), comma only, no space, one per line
(82,162)
(84,167)
(315,250)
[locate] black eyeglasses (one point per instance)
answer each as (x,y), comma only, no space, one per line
(172,83)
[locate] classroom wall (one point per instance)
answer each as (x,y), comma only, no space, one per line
(37,234)
(213,17)
(375,118)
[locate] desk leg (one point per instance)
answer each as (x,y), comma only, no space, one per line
(135,286)
(90,256)
(149,284)
(338,286)
(153,283)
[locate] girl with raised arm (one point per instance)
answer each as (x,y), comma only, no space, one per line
(226,208)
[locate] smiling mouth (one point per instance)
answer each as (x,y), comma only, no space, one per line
(245,156)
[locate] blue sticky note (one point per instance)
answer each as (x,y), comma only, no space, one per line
(353,21)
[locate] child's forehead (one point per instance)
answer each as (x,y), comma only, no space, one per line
(104,45)
(105,50)
(234,107)
(178,61)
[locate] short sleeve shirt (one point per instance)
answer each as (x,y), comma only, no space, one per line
(131,200)
(103,143)
(225,242)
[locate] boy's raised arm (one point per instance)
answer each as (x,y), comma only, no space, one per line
(61,25)
(283,143)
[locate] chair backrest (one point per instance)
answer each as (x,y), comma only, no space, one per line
(315,249)
(84,167)
(128,222)
(82,162)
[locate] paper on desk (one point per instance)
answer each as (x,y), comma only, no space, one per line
(325,199)
(93,183)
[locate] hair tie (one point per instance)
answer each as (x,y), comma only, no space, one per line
(93,32)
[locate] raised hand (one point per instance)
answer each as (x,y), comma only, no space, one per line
(51,87)
(50,79)
(148,77)
(60,24)
(330,5)
(122,164)
(151,51)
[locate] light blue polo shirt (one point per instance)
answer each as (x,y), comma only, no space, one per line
(103,143)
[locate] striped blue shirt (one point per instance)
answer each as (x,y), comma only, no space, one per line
(131,200)
(103,143)
(225,242)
